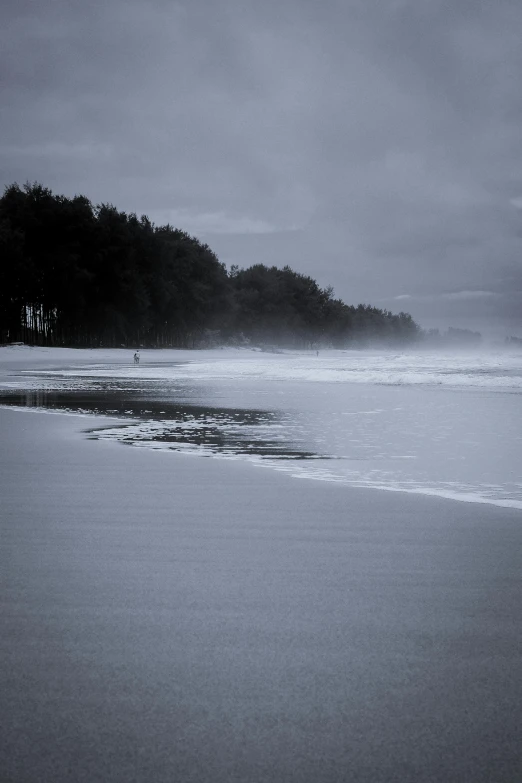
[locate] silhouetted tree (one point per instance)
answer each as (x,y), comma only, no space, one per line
(74,274)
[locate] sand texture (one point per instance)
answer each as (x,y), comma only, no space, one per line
(174,618)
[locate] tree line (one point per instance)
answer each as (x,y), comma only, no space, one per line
(74,274)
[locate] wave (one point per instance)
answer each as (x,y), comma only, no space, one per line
(493,372)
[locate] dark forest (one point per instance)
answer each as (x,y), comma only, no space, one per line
(74,274)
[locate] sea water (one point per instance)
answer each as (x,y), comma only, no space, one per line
(436,424)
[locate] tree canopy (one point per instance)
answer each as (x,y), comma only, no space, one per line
(81,275)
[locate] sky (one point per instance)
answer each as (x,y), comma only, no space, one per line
(375,145)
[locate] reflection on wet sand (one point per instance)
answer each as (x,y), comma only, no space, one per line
(178,426)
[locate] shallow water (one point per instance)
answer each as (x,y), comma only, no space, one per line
(429,424)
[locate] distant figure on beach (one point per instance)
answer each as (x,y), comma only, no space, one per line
(137,357)
(317,353)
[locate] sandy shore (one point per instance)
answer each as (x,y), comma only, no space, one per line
(174,618)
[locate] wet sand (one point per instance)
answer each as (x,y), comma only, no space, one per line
(176,618)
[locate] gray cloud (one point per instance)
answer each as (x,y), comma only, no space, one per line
(374,145)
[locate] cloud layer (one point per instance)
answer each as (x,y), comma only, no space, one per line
(375,145)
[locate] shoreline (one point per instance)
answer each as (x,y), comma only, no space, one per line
(24,359)
(122,420)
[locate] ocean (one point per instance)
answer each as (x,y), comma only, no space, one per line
(430,423)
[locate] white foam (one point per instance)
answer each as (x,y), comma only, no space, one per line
(487,371)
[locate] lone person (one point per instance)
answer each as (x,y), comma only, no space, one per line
(137,357)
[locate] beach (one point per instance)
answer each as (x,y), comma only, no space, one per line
(173,617)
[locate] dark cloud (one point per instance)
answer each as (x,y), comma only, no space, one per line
(374,144)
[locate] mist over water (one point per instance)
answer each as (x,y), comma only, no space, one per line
(440,424)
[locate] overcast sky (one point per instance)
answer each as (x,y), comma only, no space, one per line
(373,144)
